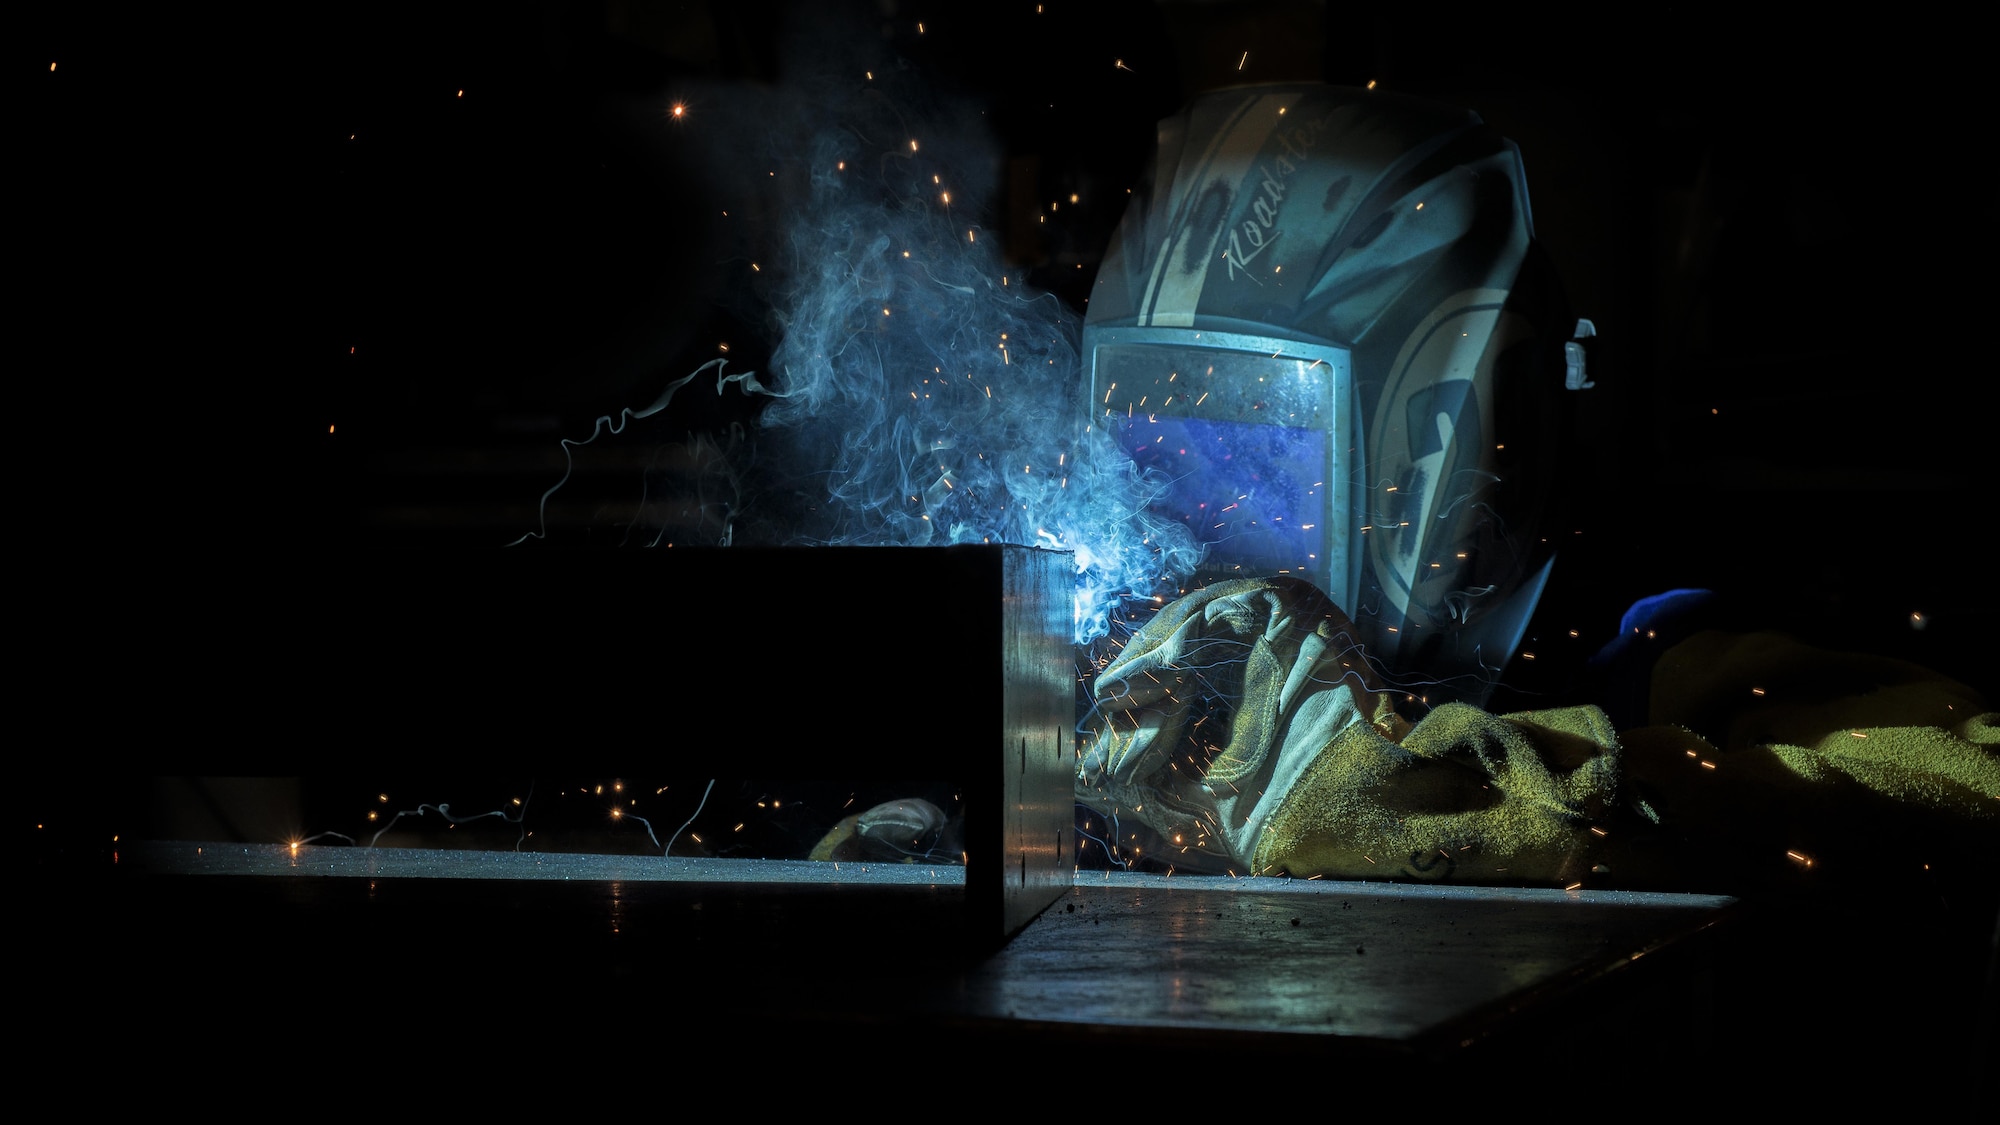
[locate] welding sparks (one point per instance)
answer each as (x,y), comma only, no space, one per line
(826,388)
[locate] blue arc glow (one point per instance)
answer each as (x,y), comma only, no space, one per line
(919,392)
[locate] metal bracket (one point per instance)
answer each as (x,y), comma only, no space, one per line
(1574,376)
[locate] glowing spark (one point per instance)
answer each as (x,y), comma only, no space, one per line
(913,144)
(1120,64)
(1806,860)
(1371,83)
(679,110)
(1245,59)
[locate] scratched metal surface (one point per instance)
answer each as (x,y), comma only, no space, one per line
(847,956)
(1359,960)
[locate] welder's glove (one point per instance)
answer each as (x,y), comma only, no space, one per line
(911,830)
(1211,711)
(1244,726)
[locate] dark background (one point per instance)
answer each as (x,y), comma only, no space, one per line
(299,289)
(293,321)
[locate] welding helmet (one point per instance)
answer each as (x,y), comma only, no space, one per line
(1325,321)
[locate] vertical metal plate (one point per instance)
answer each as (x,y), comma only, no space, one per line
(1038,746)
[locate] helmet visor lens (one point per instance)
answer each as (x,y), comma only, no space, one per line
(1251,438)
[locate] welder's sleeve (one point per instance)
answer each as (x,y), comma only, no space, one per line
(1777,760)
(1465,795)
(1245,726)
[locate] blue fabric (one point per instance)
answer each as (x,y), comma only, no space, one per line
(1622,671)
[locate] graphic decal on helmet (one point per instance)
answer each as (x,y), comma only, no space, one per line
(1325,317)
